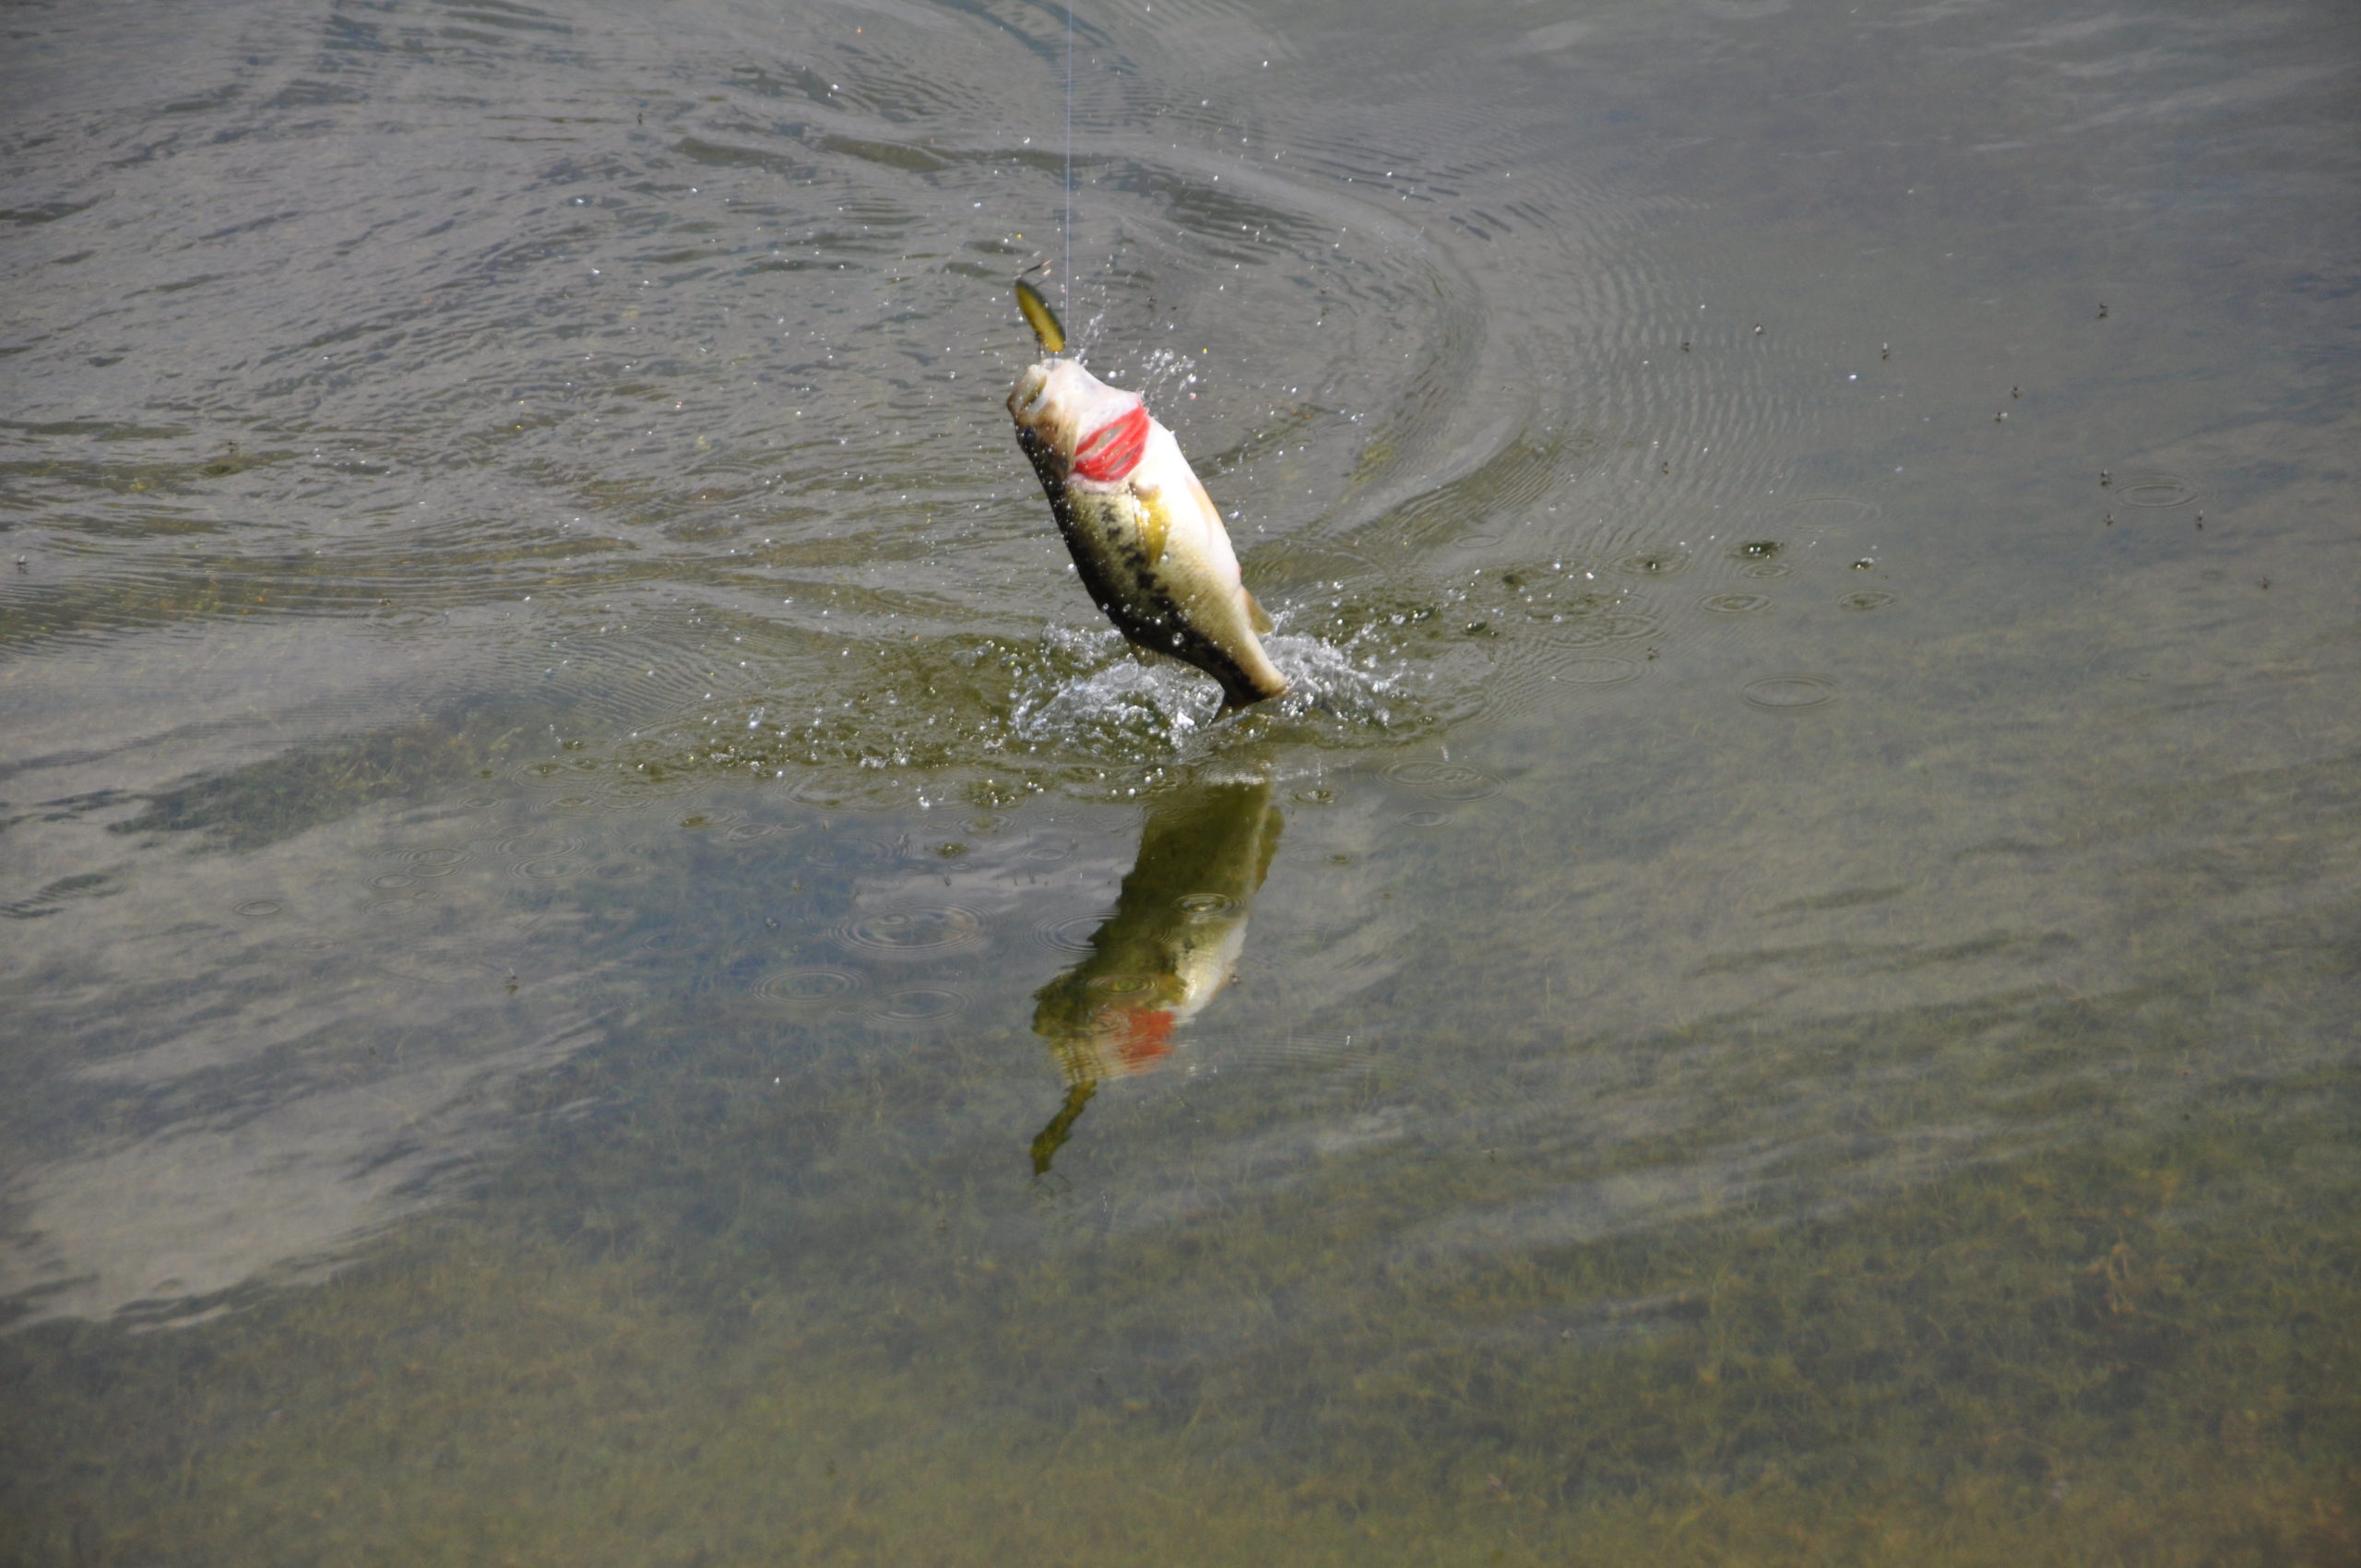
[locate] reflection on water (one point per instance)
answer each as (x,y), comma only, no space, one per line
(554,782)
(1171,945)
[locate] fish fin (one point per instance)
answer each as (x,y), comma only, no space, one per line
(1156,526)
(1269,847)
(1256,616)
(1053,1137)
(1197,489)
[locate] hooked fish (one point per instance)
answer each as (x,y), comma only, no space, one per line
(1144,534)
(1170,946)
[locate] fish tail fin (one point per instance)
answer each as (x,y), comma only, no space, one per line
(1235,701)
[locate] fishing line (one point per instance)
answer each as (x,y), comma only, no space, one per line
(1065,297)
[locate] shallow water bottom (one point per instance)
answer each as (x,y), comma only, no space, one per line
(2076,1355)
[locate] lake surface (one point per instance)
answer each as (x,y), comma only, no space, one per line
(606,961)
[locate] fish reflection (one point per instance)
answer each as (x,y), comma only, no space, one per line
(1172,943)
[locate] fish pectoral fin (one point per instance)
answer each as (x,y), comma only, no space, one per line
(1156,526)
(1255,615)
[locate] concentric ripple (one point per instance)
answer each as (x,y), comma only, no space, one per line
(1072,934)
(918,1005)
(1443,780)
(1788,694)
(2155,489)
(914,931)
(809,986)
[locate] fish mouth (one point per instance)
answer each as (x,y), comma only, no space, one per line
(1032,391)
(1098,431)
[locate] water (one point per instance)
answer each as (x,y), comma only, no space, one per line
(606,962)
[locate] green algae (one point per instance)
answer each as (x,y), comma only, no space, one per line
(460,1402)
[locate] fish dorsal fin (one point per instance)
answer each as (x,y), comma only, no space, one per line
(1255,615)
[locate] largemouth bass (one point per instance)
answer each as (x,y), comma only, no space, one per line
(1145,536)
(1171,945)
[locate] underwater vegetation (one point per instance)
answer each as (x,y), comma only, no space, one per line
(2066,1357)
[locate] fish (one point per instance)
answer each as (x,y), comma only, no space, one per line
(1146,538)
(1170,946)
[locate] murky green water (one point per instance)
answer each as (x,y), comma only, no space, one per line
(606,962)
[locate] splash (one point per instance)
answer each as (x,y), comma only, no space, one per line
(1094,697)
(1072,709)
